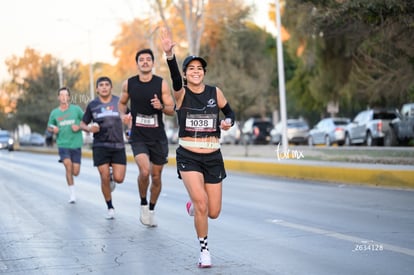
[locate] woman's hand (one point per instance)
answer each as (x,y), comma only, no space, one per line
(225,124)
(166,41)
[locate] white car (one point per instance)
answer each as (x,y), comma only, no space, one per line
(369,127)
(329,131)
(297,132)
(6,140)
(232,135)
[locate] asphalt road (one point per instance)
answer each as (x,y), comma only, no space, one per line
(268,226)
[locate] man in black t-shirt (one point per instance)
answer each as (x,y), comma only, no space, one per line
(102,119)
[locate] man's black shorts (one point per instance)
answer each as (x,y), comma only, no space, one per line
(157,151)
(102,155)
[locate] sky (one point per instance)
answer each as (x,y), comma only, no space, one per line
(72,30)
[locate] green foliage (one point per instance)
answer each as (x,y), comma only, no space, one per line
(358,53)
(7,121)
(34,106)
(242,64)
(34,84)
(40,95)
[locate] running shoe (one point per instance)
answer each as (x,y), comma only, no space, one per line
(190,208)
(145,215)
(72,199)
(152,221)
(111,214)
(112,183)
(205,259)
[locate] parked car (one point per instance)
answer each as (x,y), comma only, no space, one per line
(232,135)
(34,139)
(6,140)
(369,127)
(172,135)
(88,139)
(297,132)
(402,127)
(257,131)
(329,131)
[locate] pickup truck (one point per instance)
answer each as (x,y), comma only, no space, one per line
(402,127)
(369,127)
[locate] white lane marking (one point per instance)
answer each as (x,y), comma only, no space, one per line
(344,237)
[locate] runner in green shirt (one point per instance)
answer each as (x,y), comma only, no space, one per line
(64,123)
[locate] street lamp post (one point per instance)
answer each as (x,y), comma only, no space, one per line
(91,90)
(281,70)
(60,73)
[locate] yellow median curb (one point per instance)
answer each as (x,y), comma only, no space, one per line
(354,175)
(399,178)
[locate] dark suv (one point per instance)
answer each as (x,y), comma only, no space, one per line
(257,131)
(401,127)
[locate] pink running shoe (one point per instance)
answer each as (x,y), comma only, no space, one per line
(190,208)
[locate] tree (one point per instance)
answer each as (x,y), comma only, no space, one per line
(34,87)
(358,53)
(8,97)
(132,37)
(34,106)
(245,77)
(242,62)
(8,102)
(192,13)
(28,66)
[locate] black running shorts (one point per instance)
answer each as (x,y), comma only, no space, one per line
(157,151)
(211,165)
(103,155)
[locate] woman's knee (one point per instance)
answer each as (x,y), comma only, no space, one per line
(201,207)
(214,213)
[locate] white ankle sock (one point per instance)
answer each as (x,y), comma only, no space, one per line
(72,190)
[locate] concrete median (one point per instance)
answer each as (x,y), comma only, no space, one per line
(382,175)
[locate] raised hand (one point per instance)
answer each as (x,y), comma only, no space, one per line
(166,41)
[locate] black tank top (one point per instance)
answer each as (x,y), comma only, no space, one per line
(147,122)
(198,115)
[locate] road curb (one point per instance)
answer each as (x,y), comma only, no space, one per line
(350,175)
